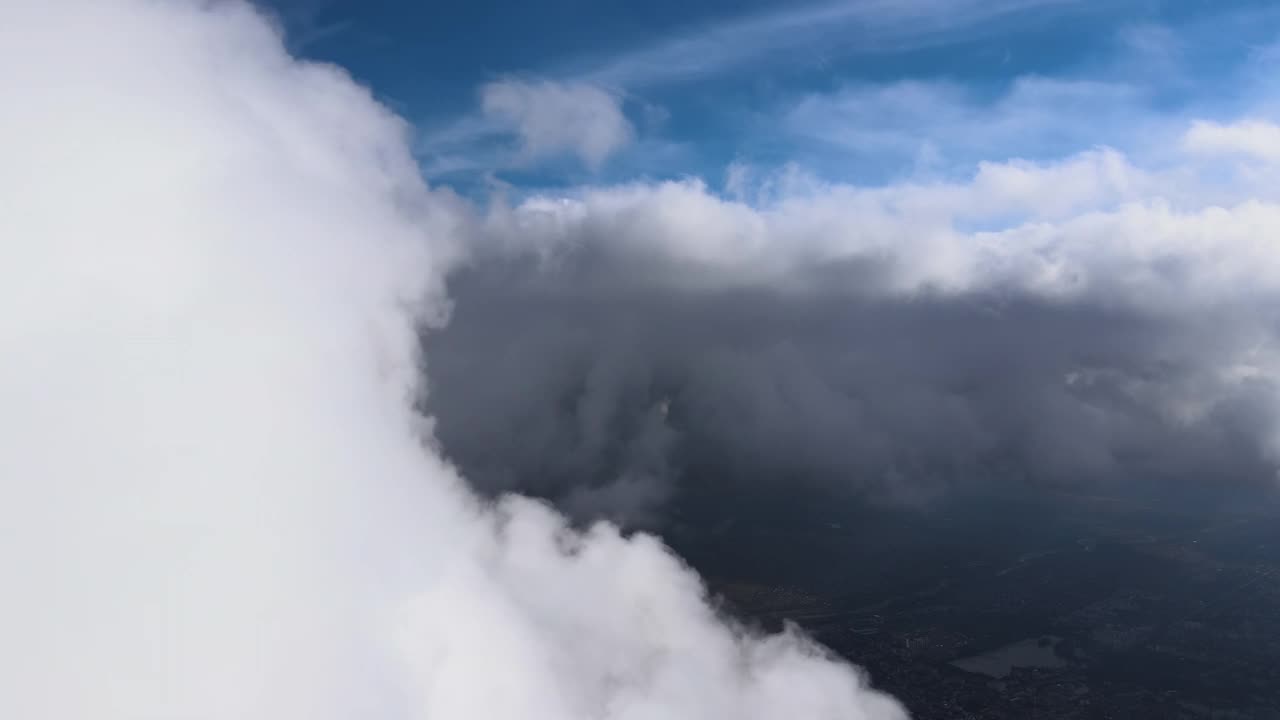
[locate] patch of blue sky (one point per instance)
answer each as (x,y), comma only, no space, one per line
(859,91)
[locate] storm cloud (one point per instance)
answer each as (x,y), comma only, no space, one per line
(1075,322)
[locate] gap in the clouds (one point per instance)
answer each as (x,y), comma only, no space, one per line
(1171,56)
(912,591)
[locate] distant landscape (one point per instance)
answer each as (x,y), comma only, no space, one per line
(1062,606)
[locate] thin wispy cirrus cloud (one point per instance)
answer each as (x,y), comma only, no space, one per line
(1139,93)
(575,107)
(812,30)
(871,119)
(935,126)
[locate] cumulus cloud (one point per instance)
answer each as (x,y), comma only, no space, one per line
(1079,321)
(216,498)
(552,118)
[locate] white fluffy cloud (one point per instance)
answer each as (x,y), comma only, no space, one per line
(1249,138)
(1091,225)
(559,117)
(216,499)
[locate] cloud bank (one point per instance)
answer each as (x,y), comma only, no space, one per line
(217,498)
(1078,322)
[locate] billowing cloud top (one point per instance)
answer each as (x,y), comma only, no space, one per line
(218,501)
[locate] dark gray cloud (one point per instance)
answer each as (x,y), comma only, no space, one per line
(620,398)
(611,371)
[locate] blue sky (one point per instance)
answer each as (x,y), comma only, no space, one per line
(864,91)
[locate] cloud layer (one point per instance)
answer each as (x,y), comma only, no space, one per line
(1079,321)
(217,499)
